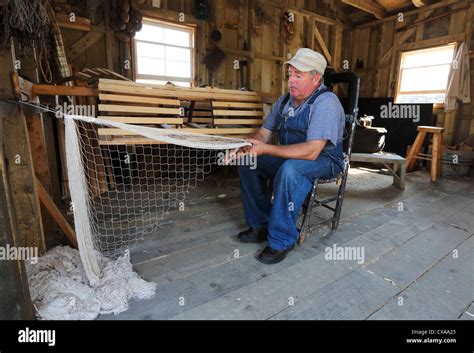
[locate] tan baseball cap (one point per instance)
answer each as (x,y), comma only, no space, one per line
(306,59)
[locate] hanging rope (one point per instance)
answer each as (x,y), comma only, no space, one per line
(25,20)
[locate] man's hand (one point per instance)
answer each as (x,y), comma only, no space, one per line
(258,147)
(235,152)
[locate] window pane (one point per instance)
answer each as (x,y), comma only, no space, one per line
(178,54)
(424,78)
(435,56)
(150,50)
(149,66)
(178,69)
(176,37)
(151,33)
(420,98)
(160,82)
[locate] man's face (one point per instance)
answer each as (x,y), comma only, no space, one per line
(301,84)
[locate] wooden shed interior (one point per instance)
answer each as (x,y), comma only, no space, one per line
(232,44)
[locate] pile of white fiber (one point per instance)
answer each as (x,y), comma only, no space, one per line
(60,289)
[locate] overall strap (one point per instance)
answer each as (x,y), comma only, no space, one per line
(317,94)
(283,102)
(310,101)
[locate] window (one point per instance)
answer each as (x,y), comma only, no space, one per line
(164,52)
(423,76)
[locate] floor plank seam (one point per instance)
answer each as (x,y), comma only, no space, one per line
(418,278)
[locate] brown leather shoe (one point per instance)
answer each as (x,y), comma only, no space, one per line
(271,256)
(253,235)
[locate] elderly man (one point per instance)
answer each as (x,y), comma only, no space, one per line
(309,121)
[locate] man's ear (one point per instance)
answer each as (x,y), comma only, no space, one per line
(317,78)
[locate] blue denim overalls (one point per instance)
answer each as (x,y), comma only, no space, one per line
(292,179)
(293,130)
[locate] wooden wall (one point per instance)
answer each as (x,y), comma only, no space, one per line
(264,52)
(379,45)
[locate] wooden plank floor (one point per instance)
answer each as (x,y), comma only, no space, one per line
(418,245)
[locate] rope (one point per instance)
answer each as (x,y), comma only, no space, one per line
(25,20)
(45,71)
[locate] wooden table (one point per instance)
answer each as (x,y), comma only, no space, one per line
(387,159)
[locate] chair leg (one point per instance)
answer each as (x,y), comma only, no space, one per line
(307,215)
(340,199)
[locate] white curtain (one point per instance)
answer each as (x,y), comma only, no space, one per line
(459,80)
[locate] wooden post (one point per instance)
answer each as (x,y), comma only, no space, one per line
(15,300)
(20,172)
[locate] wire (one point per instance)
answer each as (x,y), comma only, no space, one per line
(43,107)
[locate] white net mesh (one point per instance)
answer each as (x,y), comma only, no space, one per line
(124,178)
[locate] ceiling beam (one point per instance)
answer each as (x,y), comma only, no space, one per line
(368,6)
(437,5)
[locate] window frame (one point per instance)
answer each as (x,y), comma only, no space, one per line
(172,25)
(399,74)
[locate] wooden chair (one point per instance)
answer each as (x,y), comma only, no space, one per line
(312,200)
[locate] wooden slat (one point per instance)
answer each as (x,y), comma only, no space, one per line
(202,113)
(141,120)
(238,113)
(129,141)
(238,121)
(199,120)
(175,93)
(136,99)
(52,90)
(137,109)
(176,88)
(216,104)
(210,131)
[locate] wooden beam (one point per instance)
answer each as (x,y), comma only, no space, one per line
(15,300)
(20,164)
(409,31)
(435,6)
(48,202)
(80,46)
(336,62)
(322,44)
(316,17)
(426,20)
(53,90)
(79,23)
(252,55)
(21,173)
(40,162)
(367,6)
(309,25)
(433,42)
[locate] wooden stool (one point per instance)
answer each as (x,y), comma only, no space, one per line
(435,157)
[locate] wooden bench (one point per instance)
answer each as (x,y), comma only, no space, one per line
(399,167)
(132,104)
(243,117)
(205,110)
